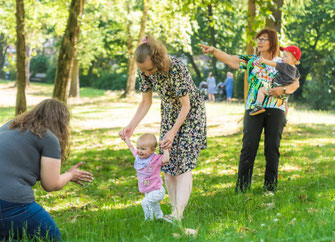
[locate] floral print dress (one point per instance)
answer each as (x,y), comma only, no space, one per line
(191,137)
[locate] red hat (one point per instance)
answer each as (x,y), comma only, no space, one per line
(293,49)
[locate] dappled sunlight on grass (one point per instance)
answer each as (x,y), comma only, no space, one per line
(110,206)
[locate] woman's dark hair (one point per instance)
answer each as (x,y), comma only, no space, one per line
(273,39)
(156,51)
(49,114)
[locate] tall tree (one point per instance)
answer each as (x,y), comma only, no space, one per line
(250,33)
(68,50)
(3,51)
(21,103)
(275,19)
(212,32)
(74,86)
(131,77)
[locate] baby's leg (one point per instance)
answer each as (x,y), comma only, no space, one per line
(148,214)
(261,95)
(154,198)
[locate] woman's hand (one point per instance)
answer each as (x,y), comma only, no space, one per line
(79,176)
(207,49)
(167,141)
(276,91)
(127,131)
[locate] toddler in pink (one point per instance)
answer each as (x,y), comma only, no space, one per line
(148,165)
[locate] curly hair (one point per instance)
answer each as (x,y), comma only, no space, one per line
(157,52)
(49,114)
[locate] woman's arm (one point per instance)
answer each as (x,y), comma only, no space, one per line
(231,60)
(166,156)
(142,110)
(289,89)
(53,180)
(185,109)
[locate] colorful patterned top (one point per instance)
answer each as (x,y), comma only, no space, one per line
(260,75)
(191,136)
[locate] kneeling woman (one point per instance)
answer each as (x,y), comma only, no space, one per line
(32,147)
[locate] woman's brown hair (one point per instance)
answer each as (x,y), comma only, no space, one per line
(273,39)
(156,51)
(49,114)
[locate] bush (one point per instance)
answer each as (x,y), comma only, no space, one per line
(318,95)
(110,81)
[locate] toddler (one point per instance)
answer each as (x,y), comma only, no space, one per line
(148,165)
(287,73)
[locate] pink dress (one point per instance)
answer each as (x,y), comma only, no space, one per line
(149,178)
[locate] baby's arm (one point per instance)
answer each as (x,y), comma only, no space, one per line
(166,156)
(130,145)
(268,62)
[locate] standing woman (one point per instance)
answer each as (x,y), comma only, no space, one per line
(32,147)
(183,123)
(272,121)
(229,86)
(211,82)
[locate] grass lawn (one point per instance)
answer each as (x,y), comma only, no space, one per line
(109,209)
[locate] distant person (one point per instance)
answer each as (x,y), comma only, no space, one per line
(287,73)
(148,165)
(203,87)
(211,82)
(229,86)
(183,123)
(32,147)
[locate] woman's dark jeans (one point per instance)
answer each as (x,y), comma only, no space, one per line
(30,217)
(273,121)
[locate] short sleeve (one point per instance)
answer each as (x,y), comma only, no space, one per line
(244,59)
(145,83)
(51,146)
(179,76)
(297,74)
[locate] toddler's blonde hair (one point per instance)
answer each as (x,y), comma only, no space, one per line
(148,138)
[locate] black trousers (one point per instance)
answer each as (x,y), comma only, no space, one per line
(273,121)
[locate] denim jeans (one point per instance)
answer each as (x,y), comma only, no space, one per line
(30,219)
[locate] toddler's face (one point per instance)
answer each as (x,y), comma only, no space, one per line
(288,58)
(144,150)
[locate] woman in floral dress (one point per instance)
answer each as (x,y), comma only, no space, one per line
(183,123)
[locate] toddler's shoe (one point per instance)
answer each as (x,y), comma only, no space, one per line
(257,110)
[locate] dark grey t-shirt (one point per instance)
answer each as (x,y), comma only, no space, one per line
(20,157)
(286,74)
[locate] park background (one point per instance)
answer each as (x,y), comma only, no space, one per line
(94,42)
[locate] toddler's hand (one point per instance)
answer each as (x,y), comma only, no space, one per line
(261,59)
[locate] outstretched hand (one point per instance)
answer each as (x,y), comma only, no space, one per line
(79,176)
(126,132)
(207,49)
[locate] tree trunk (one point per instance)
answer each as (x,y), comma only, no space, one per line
(74,87)
(3,51)
(131,75)
(213,42)
(250,34)
(276,13)
(27,64)
(67,51)
(195,67)
(21,103)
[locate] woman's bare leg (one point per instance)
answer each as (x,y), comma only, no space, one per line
(171,186)
(183,192)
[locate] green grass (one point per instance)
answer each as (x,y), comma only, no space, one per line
(109,209)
